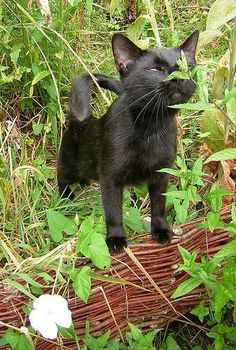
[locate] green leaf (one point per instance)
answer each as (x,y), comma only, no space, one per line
(135,29)
(133,220)
(89,7)
(18,341)
(170,171)
(97,251)
(113,6)
(186,287)
(82,283)
(219,83)
(228,153)
(39,76)
(30,280)
(97,343)
(198,106)
(213,220)
(200,311)
(15,51)
(171,343)
(178,75)
(228,96)
(57,224)
(208,36)
(135,331)
(219,15)
(37,128)
(228,250)
(212,121)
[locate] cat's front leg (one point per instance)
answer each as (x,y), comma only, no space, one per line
(160,229)
(112,202)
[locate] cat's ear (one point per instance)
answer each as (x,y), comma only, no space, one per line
(125,53)
(190,44)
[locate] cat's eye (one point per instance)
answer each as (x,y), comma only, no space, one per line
(158,69)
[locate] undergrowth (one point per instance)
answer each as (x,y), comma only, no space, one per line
(39,230)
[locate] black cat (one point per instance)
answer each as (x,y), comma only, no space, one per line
(135,138)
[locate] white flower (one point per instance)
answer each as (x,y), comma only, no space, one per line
(49,312)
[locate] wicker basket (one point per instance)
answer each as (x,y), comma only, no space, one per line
(148,267)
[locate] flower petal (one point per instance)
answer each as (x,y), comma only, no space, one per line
(48,330)
(42,302)
(43,323)
(63,318)
(36,319)
(58,302)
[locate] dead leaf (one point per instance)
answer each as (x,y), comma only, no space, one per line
(225,181)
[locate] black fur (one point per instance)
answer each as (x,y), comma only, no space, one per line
(135,138)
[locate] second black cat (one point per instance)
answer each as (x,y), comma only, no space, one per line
(134,139)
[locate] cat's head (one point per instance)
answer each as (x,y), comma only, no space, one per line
(143,72)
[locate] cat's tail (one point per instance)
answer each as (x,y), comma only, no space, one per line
(81,91)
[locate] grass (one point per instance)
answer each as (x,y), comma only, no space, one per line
(31,126)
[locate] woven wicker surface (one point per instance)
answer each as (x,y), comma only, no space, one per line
(111,305)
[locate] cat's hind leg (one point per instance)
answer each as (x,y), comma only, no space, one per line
(67,167)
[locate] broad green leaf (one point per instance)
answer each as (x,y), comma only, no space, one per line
(219,83)
(171,343)
(178,75)
(212,121)
(231,110)
(208,36)
(89,7)
(97,343)
(39,76)
(213,220)
(202,85)
(228,96)
(58,223)
(200,311)
(228,250)
(18,341)
(82,283)
(177,194)
(15,51)
(225,154)
(220,13)
(219,302)
(135,331)
(98,251)
(135,29)
(198,106)
(133,220)
(192,195)
(37,128)
(231,228)
(186,287)
(170,171)
(67,333)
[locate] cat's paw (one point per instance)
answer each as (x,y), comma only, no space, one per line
(163,235)
(116,243)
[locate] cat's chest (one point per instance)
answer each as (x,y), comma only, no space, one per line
(142,159)
(154,150)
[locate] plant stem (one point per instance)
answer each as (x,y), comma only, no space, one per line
(61,45)
(170,15)
(232,68)
(151,13)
